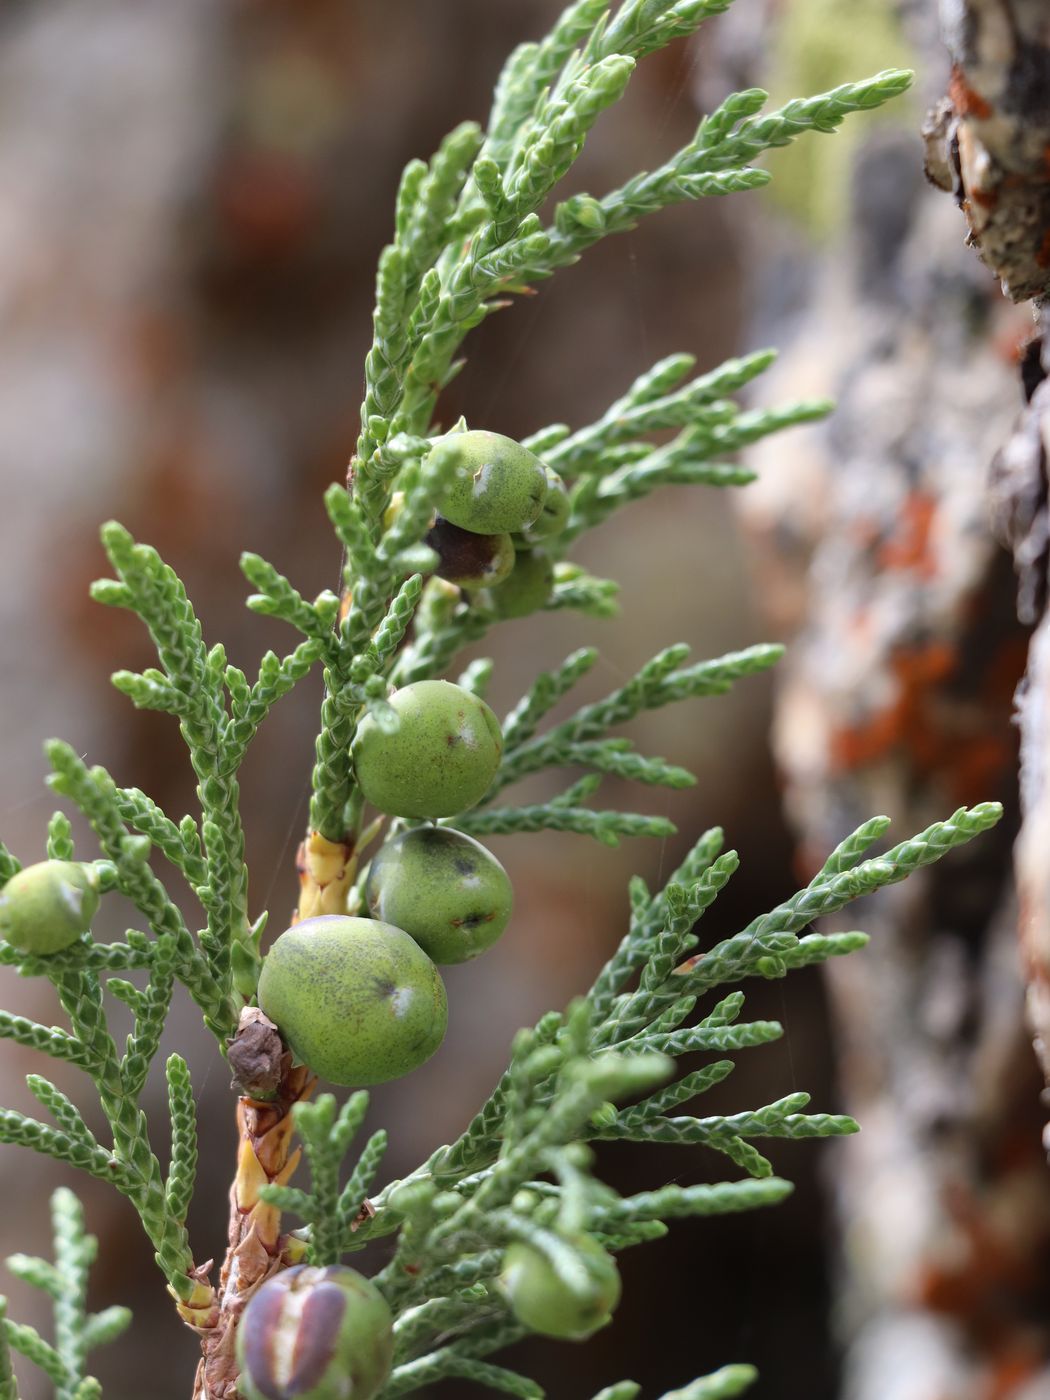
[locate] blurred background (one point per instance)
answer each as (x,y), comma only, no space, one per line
(195,198)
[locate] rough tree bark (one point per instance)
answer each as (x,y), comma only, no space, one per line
(989,143)
(897,697)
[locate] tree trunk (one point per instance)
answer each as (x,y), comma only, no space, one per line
(874,539)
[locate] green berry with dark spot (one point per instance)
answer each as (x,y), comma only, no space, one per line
(48,906)
(355,999)
(528,585)
(571,1303)
(467,559)
(315,1334)
(439,761)
(554,516)
(444,889)
(499,486)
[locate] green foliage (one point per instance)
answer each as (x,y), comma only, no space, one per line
(178,1189)
(77,1332)
(582,741)
(469,235)
(522,1170)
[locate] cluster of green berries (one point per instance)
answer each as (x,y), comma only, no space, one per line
(501,505)
(327,1333)
(360,1000)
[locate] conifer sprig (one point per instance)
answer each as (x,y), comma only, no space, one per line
(190,686)
(77,1332)
(651,403)
(102,802)
(482,237)
(129,1163)
(583,741)
(182,1170)
(8,1382)
(521,1169)
(470,232)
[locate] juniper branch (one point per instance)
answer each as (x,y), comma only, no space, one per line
(98,797)
(77,1332)
(194,677)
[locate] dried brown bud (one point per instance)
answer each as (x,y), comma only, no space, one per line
(257,1056)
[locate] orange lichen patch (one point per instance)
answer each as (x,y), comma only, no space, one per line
(987,199)
(856,745)
(909,546)
(1013,338)
(970,758)
(1043,256)
(918,671)
(966,101)
(979,1283)
(1010,1372)
(926,665)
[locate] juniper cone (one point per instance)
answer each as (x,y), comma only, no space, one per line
(315,1334)
(470,560)
(528,585)
(570,1296)
(357,999)
(493,485)
(436,759)
(444,889)
(557,507)
(46,907)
